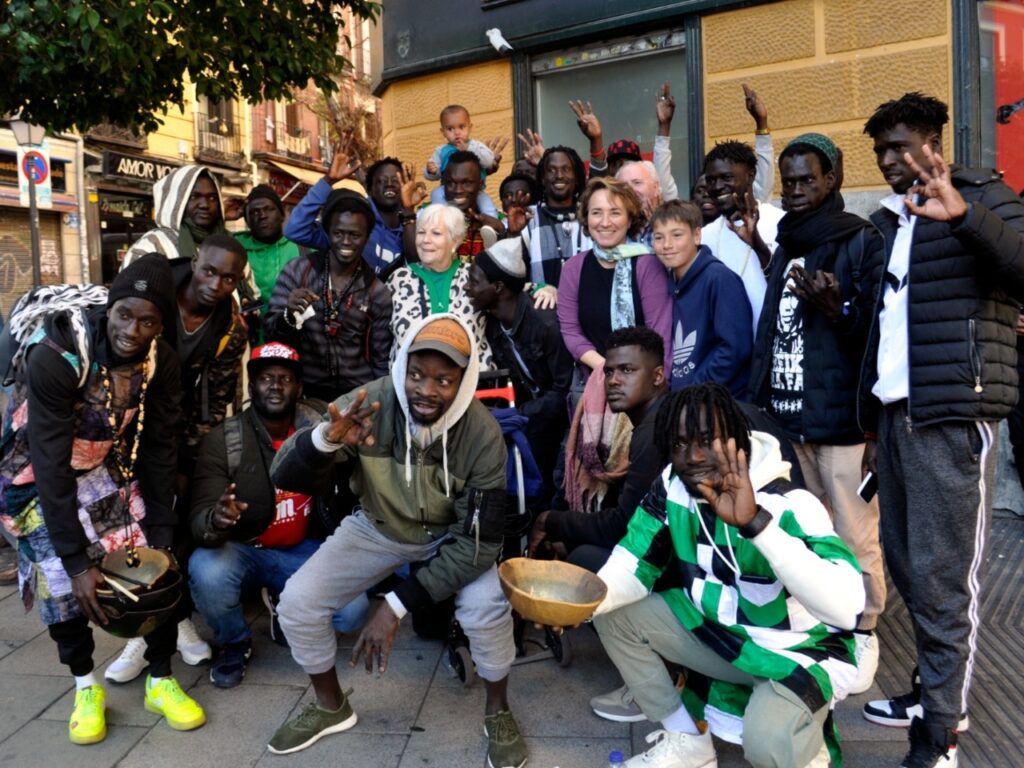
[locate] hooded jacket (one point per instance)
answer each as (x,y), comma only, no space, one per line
(210,375)
(777,606)
(420,484)
(711,320)
(170,199)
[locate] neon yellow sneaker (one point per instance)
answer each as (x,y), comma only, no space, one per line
(88,723)
(166,698)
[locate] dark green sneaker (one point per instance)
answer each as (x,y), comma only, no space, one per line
(505,747)
(311,726)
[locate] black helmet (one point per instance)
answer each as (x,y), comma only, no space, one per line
(154,583)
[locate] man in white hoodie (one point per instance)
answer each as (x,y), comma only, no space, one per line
(428,462)
(762,599)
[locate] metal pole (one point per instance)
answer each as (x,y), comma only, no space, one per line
(33,220)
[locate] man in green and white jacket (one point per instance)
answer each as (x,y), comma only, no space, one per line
(757,598)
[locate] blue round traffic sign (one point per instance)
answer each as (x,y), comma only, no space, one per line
(34,165)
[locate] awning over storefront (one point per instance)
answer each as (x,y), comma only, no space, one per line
(308,178)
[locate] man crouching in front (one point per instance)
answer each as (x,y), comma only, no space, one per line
(429,467)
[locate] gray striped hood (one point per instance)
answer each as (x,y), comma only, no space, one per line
(171,194)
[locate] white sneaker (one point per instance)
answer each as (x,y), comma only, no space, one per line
(129,664)
(866,652)
(676,750)
(193,649)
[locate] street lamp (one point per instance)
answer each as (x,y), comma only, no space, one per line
(29,135)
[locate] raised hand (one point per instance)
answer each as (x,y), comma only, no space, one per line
(376,639)
(352,426)
(587,121)
(497,146)
(756,107)
(228,509)
(342,166)
(743,220)
(731,494)
(942,201)
(413,192)
(234,207)
(518,214)
(665,107)
(533,146)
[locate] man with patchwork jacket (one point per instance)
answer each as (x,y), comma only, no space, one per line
(938,375)
(428,464)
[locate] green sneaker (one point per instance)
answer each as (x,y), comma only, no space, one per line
(505,745)
(178,708)
(88,723)
(312,725)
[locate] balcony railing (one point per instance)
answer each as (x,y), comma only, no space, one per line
(220,140)
(296,142)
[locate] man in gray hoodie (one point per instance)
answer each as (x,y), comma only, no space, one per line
(428,462)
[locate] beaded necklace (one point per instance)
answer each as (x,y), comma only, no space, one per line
(333,307)
(125,459)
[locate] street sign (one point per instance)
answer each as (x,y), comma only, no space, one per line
(35,161)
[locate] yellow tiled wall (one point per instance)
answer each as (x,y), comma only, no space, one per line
(823,65)
(411,108)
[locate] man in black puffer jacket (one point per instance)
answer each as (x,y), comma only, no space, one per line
(807,355)
(938,375)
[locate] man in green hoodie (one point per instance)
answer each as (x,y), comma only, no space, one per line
(428,461)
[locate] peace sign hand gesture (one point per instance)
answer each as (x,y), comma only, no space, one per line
(731,495)
(354,425)
(942,201)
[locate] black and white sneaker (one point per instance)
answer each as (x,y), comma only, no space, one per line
(930,746)
(898,712)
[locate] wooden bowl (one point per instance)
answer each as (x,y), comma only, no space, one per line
(551,592)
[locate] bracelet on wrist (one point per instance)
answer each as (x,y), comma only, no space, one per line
(757,524)
(537,287)
(762,132)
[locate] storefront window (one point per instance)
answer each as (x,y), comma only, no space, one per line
(1001,24)
(622,80)
(124,219)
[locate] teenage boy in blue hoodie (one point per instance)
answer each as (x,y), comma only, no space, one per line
(711,316)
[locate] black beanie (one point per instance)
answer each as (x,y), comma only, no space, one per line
(266,192)
(148,277)
(346,200)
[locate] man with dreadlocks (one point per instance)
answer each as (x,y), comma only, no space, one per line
(757,597)
(345,340)
(551,234)
(89,468)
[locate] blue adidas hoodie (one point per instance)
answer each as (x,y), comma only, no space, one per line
(711,326)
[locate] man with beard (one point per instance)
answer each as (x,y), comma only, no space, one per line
(462,183)
(808,351)
(743,236)
(429,462)
(331,306)
(384,247)
(938,375)
(551,234)
(757,597)
(251,534)
(187,209)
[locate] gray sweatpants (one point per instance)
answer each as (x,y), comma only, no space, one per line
(357,556)
(778,728)
(935,491)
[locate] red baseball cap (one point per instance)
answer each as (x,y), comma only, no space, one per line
(274,353)
(624,148)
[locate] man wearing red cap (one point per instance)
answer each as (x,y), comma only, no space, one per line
(250,533)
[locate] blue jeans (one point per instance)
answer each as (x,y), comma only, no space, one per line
(219,579)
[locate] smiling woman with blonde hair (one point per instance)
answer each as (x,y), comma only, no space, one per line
(623,282)
(436,282)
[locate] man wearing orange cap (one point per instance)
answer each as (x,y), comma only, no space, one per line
(429,463)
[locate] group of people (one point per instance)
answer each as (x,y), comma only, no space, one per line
(703,387)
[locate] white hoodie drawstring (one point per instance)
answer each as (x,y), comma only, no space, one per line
(729,562)
(408,454)
(444,452)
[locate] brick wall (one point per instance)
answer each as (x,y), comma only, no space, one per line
(824,65)
(410,111)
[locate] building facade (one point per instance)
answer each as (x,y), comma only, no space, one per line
(821,65)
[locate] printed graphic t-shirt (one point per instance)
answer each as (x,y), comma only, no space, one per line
(787,385)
